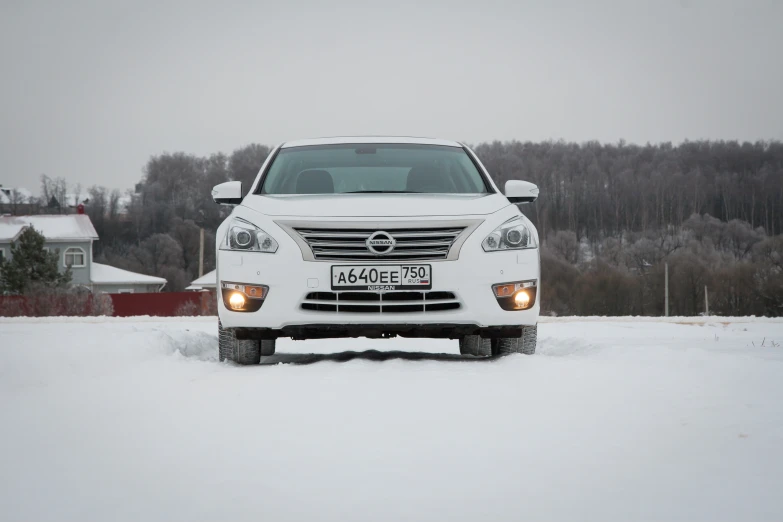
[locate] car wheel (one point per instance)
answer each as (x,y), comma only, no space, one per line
(525,343)
(475,345)
(240,351)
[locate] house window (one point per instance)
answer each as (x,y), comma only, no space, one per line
(74,257)
(125,291)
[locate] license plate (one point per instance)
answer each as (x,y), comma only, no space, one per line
(381,277)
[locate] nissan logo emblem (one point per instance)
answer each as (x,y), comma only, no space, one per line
(380,243)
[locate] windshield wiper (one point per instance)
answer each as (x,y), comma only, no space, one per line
(381,192)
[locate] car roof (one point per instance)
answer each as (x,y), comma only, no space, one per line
(339,140)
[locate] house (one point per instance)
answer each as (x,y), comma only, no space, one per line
(111,280)
(72,236)
(206,282)
(16,200)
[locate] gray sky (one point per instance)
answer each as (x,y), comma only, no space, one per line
(90,90)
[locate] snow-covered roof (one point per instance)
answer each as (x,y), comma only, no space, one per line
(106,275)
(208,280)
(369,139)
(5,194)
(54,227)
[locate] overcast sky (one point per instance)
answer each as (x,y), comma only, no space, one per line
(90,90)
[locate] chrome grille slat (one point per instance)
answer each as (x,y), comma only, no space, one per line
(412,244)
(319,253)
(315,234)
(357,244)
(403,233)
(451,233)
(340,244)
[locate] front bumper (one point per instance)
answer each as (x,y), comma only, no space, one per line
(290,278)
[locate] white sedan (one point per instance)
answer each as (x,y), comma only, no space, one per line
(376,237)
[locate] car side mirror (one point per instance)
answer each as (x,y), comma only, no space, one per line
(228,193)
(521,191)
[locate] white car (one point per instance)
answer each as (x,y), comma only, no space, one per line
(376,237)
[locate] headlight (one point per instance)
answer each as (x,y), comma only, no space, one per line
(511,235)
(243,235)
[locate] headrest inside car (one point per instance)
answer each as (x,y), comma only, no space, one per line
(425,179)
(314,181)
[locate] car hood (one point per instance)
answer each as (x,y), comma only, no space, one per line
(376,205)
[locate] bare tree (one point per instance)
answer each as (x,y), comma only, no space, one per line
(565,245)
(245,164)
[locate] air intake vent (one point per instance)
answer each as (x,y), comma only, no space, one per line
(380,303)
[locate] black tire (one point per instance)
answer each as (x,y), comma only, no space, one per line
(241,351)
(475,345)
(525,343)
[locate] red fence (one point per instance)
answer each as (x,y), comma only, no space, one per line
(167,304)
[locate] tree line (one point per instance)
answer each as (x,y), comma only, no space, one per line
(610,217)
(600,190)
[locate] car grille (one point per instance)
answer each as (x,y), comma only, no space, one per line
(348,244)
(380,303)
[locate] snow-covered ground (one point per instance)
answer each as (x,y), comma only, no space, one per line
(622,419)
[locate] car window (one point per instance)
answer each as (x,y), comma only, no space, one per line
(383,168)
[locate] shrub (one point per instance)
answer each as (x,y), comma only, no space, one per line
(102,305)
(188,308)
(44,301)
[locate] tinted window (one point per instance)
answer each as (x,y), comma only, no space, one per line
(334,169)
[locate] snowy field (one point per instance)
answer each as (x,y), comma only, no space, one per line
(622,419)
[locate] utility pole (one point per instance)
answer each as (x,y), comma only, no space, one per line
(201,253)
(200,222)
(706,302)
(666,288)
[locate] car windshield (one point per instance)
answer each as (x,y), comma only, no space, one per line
(373,168)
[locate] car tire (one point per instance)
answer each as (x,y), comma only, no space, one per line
(241,351)
(475,345)
(267,346)
(525,343)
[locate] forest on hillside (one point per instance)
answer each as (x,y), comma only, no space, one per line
(610,217)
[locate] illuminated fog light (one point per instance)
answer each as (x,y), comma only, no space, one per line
(241,297)
(516,296)
(236,301)
(522,299)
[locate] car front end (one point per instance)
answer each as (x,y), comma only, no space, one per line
(317,261)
